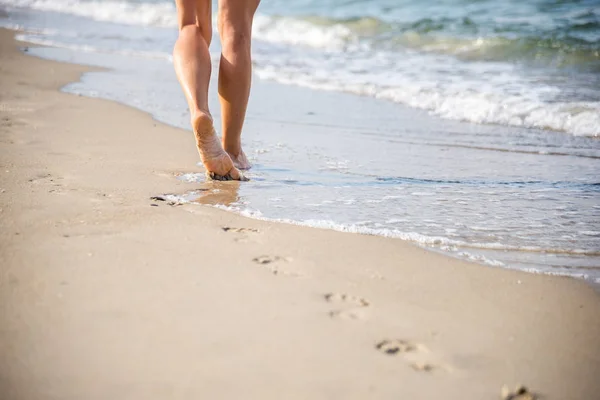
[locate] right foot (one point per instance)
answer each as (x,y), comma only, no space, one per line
(217,162)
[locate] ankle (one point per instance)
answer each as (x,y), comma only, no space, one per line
(201,114)
(234,149)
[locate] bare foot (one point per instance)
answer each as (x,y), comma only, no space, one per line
(217,162)
(240,161)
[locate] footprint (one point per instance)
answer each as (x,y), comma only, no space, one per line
(416,354)
(45,178)
(239,230)
(163,199)
(356,312)
(397,346)
(352,314)
(48,180)
(266,259)
(520,393)
(272,263)
(242,234)
(346,298)
(427,367)
(39,178)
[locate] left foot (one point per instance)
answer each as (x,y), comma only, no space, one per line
(217,162)
(240,160)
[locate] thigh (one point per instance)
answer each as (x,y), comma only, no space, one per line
(236,14)
(195,12)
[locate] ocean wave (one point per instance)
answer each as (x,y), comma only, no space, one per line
(560,53)
(454,77)
(439,36)
(294,31)
(459,103)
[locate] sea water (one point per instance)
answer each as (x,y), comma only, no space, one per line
(476,133)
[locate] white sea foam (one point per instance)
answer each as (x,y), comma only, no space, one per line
(440,242)
(294,31)
(480,93)
(570,274)
(161,14)
(590,233)
(91,49)
(436,243)
(444,244)
(451,102)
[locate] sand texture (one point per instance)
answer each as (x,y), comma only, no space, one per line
(109,293)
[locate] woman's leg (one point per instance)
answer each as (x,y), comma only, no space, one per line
(193,66)
(235,72)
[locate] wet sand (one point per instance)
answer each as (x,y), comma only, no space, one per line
(108,293)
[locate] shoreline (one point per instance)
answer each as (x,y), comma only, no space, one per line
(109,293)
(307,130)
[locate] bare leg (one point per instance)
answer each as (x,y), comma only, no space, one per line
(193,66)
(235,72)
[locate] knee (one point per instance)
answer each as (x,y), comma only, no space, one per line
(193,30)
(235,38)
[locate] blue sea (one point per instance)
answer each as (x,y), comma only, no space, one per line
(468,127)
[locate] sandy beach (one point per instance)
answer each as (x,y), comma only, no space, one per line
(108,292)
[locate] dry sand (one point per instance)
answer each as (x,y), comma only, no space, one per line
(107,294)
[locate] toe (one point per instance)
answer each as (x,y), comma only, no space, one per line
(233,175)
(236,175)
